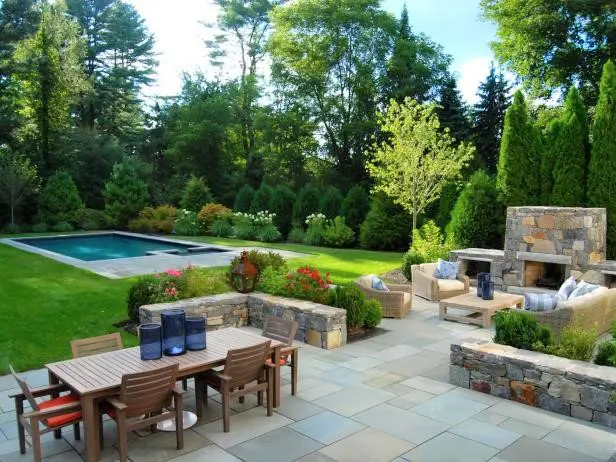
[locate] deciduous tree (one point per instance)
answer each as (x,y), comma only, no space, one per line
(18,178)
(418,159)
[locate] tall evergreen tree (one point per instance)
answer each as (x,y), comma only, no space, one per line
(452,112)
(517,178)
(553,146)
(602,166)
(418,68)
(571,153)
(489,116)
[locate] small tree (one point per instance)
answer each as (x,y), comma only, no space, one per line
(519,165)
(196,194)
(418,159)
(18,178)
(262,200)
(59,198)
(478,217)
(355,207)
(125,192)
(243,199)
(282,205)
(602,167)
(571,158)
(387,226)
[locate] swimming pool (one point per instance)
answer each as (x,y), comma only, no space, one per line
(110,246)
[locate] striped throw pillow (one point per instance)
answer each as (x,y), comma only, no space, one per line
(540,302)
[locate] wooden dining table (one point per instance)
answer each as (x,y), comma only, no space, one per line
(98,376)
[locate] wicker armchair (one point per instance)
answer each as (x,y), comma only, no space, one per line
(425,285)
(396,302)
(595,310)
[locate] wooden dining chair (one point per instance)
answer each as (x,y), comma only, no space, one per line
(52,414)
(245,372)
(94,345)
(284,331)
(145,399)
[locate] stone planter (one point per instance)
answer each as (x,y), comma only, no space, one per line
(574,388)
(319,325)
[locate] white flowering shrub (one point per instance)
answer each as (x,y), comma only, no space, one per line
(315,223)
(259,226)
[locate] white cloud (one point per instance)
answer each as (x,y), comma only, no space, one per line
(470,74)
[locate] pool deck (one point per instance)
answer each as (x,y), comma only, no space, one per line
(135,266)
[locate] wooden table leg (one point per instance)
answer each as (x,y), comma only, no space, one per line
(91,428)
(53,380)
(277,377)
(487,319)
(199,397)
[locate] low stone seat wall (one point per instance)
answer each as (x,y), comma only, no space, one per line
(319,325)
(574,388)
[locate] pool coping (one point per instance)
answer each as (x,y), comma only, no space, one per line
(155,262)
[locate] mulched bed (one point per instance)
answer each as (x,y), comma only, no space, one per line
(356,335)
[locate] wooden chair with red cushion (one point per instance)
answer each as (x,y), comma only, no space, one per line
(145,399)
(284,331)
(52,414)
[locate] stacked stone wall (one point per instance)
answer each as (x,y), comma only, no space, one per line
(573,388)
(319,325)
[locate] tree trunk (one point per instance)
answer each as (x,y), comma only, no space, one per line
(414,223)
(12,215)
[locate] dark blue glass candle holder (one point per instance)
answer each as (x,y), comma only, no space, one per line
(174,337)
(150,341)
(481,277)
(195,332)
(487,290)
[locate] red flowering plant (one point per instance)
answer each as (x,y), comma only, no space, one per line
(307,283)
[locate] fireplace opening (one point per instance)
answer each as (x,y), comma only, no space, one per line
(544,275)
(474,267)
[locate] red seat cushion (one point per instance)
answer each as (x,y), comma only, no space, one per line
(283,361)
(65,419)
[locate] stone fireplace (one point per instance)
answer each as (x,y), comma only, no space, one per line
(544,244)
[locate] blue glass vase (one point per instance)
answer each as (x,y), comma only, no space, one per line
(481,277)
(150,341)
(195,332)
(487,290)
(174,337)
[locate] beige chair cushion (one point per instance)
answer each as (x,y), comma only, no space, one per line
(428,268)
(366,281)
(406,297)
(449,285)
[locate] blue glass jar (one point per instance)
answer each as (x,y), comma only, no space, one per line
(487,290)
(195,332)
(481,277)
(174,337)
(150,341)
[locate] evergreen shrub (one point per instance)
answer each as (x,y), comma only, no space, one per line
(478,217)
(283,201)
(90,220)
(210,213)
(59,199)
(373,313)
(330,202)
(307,202)
(355,207)
(125,191)
(386,227)
(350,298)
(195,195)
(297,235)
(338,234)
(243,199)
(520,330)
(262,199)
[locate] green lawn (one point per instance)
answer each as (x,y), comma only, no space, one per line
(45,304)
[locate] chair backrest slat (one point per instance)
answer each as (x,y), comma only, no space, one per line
(94,345)
(245,365)
(148,391)
(282,330)
(25,389)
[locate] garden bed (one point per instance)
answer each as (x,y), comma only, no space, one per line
(573,388)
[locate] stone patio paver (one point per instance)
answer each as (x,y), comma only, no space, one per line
(381,399)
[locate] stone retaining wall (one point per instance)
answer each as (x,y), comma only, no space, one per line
(574,388)
(319,325)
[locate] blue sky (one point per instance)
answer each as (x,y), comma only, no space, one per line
(454,24)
